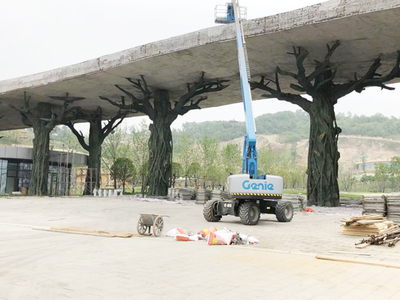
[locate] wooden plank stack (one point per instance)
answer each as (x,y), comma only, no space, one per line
(201,196)
(366,225)
(374,205)
(393,207)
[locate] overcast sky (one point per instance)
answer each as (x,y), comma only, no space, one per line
(40,35)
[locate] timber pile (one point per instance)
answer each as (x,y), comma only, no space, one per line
(375,205)
(186,194)
(388,236)
(201,196)
(216,195)
(393,207)
(366,225)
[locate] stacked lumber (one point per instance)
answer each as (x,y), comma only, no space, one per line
(186,194)
(374,205)
(216,195)
(201,196)
(389,236)
(366,225)
(393,207)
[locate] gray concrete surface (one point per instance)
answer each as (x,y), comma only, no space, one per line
(365,28)
(38,264)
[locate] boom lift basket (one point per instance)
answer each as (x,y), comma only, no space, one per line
(223,14)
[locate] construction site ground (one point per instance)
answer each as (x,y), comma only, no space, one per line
(38,264)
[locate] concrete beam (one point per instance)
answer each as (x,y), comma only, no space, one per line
(365,28)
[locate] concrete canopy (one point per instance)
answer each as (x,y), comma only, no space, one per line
(365,28)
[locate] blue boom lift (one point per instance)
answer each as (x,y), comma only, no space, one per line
(250,194)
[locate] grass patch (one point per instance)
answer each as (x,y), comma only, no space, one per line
(289,191)
(342,195)
(350,196)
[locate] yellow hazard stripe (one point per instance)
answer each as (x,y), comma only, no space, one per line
(256,194)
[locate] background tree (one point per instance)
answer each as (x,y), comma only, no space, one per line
(209,148)
(382,175)
(17,137)
(123,170)
(215,175)
(61,137)
(185,154)
(395,171)
(323,155)
(114,146)
(231,159)
(157,106)
(177,172)
(140,152)
(194,173)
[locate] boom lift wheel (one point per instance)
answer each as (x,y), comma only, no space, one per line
(210,211)
(249,213)
(284,211)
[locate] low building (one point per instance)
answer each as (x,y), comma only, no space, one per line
(16,168)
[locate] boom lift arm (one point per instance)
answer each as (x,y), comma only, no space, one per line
(250,195)
(249,159)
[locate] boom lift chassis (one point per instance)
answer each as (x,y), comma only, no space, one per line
(250,194)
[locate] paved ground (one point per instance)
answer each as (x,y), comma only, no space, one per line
(38,264)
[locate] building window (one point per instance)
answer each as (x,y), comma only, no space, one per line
(3,175)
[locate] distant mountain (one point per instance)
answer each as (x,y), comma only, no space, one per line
(293,127)
(375,138)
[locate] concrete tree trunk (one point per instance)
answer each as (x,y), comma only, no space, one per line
(93,175)
(323,155)
(40,156)
(160,146)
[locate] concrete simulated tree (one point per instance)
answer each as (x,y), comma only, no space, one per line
(157,105)
(43,117)
(97,134)
(323,155)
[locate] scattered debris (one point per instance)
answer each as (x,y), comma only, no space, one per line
(308,209)
(366,225)
(213,236)
(389,236)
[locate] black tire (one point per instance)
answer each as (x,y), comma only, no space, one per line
(210,211)
(284,211)
(249,213)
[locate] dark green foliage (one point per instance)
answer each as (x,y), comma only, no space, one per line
(123,170)
(292,126)
(177,171)
(220,130)
(376,125)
